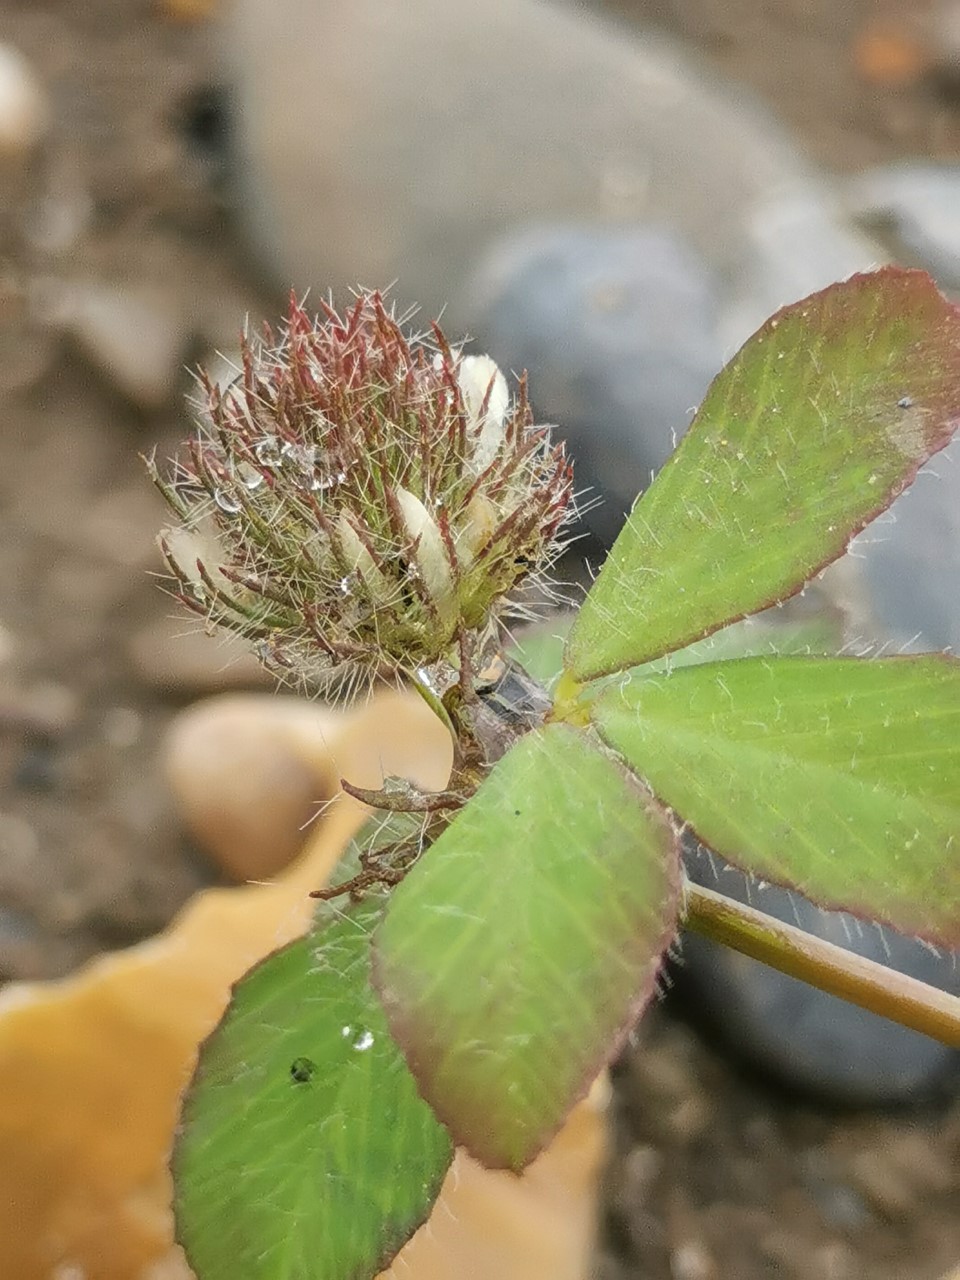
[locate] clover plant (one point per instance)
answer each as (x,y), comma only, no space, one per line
(362,505)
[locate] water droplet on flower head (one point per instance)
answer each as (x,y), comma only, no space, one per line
(267,452)
(250,477)
(363,1042)
(226,502)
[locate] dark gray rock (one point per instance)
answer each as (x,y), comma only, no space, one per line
(908,562)
(916,208)
(618,331)
(803,1038)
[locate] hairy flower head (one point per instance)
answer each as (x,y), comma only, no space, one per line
(359,502)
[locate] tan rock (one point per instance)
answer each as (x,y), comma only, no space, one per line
(251,772)
(24,110)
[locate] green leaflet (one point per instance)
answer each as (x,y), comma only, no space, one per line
(306,1152)
(539,647)
(816,425)
(840,776)
(518,952)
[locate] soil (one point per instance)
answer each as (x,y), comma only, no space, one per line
(715,1176)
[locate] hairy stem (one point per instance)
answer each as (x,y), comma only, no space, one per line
(840,973)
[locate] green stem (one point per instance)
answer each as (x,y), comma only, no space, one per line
(841,973)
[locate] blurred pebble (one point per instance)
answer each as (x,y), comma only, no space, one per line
(8,645)
(44,708)
(36,768)
(135,337)
(617,330)
(27,344)
(888,54)
(943,45)
(25,948)
(833,1261)
(55,222)
(19,844)
(247,773)
(24,110)
(901,1171)
(639,1170)
(691,1261)
(175,656)
(799,1035)
(841,1206)
(917,207)
(121,727)
(119,527)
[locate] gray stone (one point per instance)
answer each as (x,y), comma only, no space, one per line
(617,329)
(421,133)
(908,563)
(916,207)
(134,336)
(804,1038)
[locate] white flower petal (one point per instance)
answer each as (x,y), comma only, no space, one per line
(203,542)
(360,560)
(480,521)
(475,376)
(432,557)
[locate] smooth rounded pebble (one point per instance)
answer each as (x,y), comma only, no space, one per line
(24,109)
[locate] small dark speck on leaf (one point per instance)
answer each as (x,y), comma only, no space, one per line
(301,1070)
(516,813)
(905,402)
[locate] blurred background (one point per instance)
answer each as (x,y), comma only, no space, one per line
(612,195)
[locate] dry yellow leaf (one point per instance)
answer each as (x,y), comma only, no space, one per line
(92,1067)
